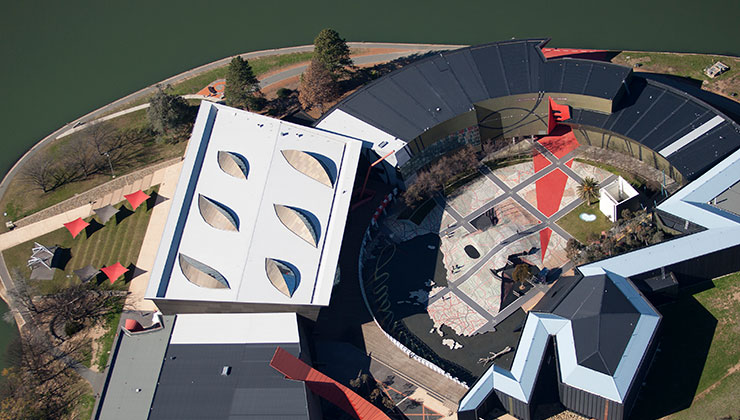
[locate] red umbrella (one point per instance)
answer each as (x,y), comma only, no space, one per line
(76,226)
(136,198)
(114,271)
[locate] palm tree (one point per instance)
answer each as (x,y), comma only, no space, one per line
(588,190)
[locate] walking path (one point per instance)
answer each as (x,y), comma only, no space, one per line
(545,222)
(109,193)
(403,49)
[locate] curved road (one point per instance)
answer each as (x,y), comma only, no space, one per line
(403,49)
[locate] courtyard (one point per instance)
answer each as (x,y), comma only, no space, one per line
(431,282)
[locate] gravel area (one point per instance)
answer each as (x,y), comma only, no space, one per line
(94,194)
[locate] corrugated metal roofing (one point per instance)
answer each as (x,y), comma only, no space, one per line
(326,387)
(191,385)
(405,102)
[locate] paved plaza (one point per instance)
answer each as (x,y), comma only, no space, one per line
(526,198)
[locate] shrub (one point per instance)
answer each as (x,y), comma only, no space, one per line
(283,93)
(72,327)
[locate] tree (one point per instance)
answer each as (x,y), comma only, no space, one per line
(588,190)
(521,274)
(332,51)
(41,385)
(317,86)
(166,111)
(43,172)
(242,88)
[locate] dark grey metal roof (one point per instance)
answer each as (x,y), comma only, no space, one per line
(132,377)
(407,102)
(603,321)
(423,94)
(191,385)
(656,115)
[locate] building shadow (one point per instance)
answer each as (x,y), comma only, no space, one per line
(686,334)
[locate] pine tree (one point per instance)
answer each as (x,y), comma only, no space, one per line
(332,51)
(242,88)
(317,86)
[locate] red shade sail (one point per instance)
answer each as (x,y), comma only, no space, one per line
(76,226)
(136,198)
(114,271)
(331,390)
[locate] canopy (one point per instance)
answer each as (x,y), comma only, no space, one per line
(136,198)
(86,273)
(105,213)
(76,226)
(114,271)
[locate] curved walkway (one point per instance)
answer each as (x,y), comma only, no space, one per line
(98,113)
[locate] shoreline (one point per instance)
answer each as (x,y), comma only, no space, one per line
(251,55)
(194,72)
(8,176)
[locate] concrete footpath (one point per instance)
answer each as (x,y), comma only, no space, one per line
(52,223)
(135,299)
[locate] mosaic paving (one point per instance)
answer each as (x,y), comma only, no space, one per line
(474,195)
(584,171)
(484,289)
(514,175)
(450,310)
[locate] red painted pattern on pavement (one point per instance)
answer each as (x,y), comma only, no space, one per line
(550,188)
(550,191)
(540,162)
(326,387)
(545,240)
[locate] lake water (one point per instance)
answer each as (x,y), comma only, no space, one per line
(61,60)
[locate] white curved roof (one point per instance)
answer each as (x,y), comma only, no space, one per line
(240,255)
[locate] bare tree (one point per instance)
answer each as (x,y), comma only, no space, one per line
(41,384)
(317,86)
(100,135)
(81,156)
(43,172)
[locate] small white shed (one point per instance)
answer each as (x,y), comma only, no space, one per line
(617,196)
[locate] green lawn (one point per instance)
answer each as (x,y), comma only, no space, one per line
(106,341)
(22,199)
(260,66)
(699,348)
(580,229)
(113,242)
(85,404)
